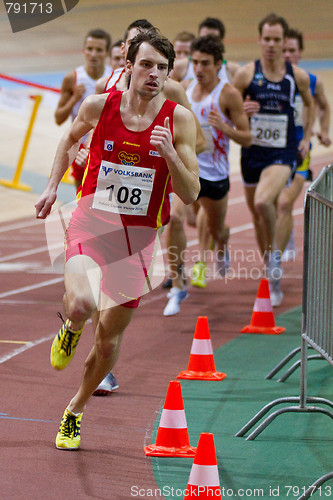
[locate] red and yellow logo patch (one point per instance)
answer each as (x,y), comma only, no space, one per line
(128,159)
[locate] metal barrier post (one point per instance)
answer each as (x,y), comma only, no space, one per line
(315,486)
(317,322)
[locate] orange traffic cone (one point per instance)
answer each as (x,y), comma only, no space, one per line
(204,482)
(172,436)
(201,365)
(262,320)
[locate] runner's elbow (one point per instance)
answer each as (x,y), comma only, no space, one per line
(58,119)
(247,141)
(192,195)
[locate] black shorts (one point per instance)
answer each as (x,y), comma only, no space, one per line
(254,160)
(215,190)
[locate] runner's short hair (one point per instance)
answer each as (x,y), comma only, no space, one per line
(273,19)
(209,44)
(157,41)
(184,36)
(213,23)
(139,23)
(296,35)
(101,34)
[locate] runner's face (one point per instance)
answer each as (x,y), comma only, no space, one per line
(117,59)
(149,71)
(95,53)
(204,67)
(182,49)
(291,51)
(271,41)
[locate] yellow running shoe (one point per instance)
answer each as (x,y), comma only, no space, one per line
(68,437)
(63,346)
(199,275)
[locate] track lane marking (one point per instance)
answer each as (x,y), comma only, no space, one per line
(31,287)
(25,347)
(14,341)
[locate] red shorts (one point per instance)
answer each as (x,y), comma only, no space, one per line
(123,254)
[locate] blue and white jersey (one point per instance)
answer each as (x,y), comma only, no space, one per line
(273,127)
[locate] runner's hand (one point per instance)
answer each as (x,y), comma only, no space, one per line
(251,107)
(44,204)
(81,157)
(161,138)
(215,119)
(324,139)
(303,148)
(79,92)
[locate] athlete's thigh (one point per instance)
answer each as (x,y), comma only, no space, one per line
(178,208)
(215,210)
(82,278)
(249,192)
(271,182)
(113,320)
(290,193)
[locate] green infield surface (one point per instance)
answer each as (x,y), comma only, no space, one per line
(289,455)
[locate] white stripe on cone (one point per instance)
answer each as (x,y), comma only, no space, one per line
(262,305)
(173,419)
(204,475)
(202,346)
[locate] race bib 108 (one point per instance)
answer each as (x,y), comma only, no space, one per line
(123,189)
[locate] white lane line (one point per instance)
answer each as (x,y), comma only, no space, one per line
(236,201)
(19,267)
(19,225)
(25,347)
(31,287)
(32,251)
(26,302)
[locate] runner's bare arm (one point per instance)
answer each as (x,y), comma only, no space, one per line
(303,84)
(243,77)
(70,94)
(86,119)
(180,157)
(323,112)
(100,85)
(232,106)
(175,92)
(179,69)
(232,68)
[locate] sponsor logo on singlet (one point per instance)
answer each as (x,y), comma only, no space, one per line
(128,158)
(154,153)
(121,172)
(108,145)
(259,79)
(273,86)
(131,144)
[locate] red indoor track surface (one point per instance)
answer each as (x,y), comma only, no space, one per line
(114,429)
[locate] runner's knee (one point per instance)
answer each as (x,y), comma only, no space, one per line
(261,205)
(176,221)
(284,205)
(105,344)
(80,307)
